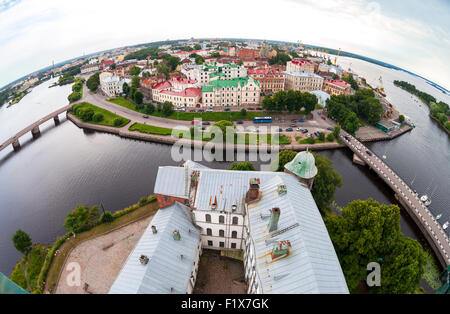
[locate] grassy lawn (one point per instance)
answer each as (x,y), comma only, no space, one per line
(30,265)
(316,141)
(298,138)
(59,259)
(150,129)
(108,116)
(205,116)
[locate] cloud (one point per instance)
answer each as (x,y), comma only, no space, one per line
(417,39)
(6,4)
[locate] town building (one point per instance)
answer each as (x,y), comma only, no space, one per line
(248,53)
(270,216)
(181,92)
(322,97)
(300,65)
(271,80)
(165,259)
(337,87)
(302,81)
(205,73)
(235,92)
(89,67)
(111,85)
(323,67)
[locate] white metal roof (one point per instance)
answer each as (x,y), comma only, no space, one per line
(166,271)
(312,266)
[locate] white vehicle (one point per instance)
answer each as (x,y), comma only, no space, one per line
(445,226)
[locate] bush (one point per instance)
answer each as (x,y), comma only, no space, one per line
(85,114)
(75,96)
(310,140)
(401,118)
(149,108)
(118,122)
(321,136)
(106,217)
(330,137)
(243,112)
(22,241)
(98,117)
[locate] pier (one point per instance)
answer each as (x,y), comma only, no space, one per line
(430,227)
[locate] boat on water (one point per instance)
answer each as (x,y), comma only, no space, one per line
(427,202)
(424,198)
(384,157)
(438,216)
(445,226)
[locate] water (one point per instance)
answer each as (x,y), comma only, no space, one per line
(67,166)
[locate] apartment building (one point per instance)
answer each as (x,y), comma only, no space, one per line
(300,65)
(302,81)
(271,80)
(243,91)
(337,87)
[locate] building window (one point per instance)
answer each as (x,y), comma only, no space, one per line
(222,244)
(235,220)
(208,217)
(210,243)
(221,233)
(167,198)
(221,219)
(233,245)
(209,231)
(234,234)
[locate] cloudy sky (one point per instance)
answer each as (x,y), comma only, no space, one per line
(412,34)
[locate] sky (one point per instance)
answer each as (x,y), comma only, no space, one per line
(411,34)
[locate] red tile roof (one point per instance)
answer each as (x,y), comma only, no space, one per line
(338,82)
(301,62)
(263,70)
(188,92)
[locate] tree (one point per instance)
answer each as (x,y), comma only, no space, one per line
(243,112)
(86,114)
(199,59)
(173,62)
(351,123)
(22,241)
(118,122)
(167,108)
(112,66)
(349,79)
(330,137)
(135,70)
(370,232)
(126,89)
(106,217)
(138,97)
(309,102)
(401,118)
(163,69)
(284,157)
(93,82)
(76,219)
(329,62)
(243,166)
(240,63)
(149,108)
(75,96)
(197,47)
(224,126)
(325,182)
(321,136)
(135,82)
(215,54)
(337,131)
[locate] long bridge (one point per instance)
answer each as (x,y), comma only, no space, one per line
(34,128)
(430,227)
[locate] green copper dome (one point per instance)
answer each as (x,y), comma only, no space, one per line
(303,165)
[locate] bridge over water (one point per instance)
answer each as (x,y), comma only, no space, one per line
(34,128)
(430,227)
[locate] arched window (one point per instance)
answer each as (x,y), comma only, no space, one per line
(221,233)
(221,219)
(208,217)
(235,220)
(234,234)
(209,231)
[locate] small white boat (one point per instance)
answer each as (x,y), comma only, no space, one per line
(445,226)
(424,198)
(438,216)
(427,202)
(384,157)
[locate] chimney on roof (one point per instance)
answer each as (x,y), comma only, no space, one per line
(274,217)
(253,191)
(176,235)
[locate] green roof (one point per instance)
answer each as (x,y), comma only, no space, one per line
(7,286)
(303,165)
(235,82)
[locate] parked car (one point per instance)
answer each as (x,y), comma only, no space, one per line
(368,153)
(299,129)
(305,131)
(289,130)
(239,122)
(192,110)
(251,108)
(145,117)
(206,123)
(280,130)
(301,120)
(347,138)
(227,109)
(259,108)
(294,120)
(293,125)
(200,110)
(330,129)
(209,110)
(308,135)
(323,117)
